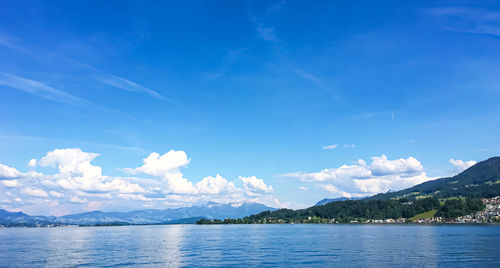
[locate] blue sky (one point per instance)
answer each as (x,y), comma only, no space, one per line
(281,99)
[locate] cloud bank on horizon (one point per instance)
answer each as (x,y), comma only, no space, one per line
(78,185)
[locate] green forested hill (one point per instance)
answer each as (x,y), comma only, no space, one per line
(480,180)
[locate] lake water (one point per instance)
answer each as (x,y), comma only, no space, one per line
(252,245)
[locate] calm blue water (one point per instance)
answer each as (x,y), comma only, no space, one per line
(252,245)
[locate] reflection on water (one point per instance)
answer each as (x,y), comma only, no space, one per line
(251,245)
(171,244)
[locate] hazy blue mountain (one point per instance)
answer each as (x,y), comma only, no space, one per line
(8,218)
(209,210)
(328,200)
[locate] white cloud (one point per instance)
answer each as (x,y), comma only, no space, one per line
(11,183)
(9,172)
(77,181)
(461,165)
(255,185)
(349,145)
(134,197)
(330,188)
(167,167)
(56,194)
(35,192)
(302,188)
(77,173)
(32,163)
(334,190)
(362,179)
(382,166)
(330,147)
(215,185)
(334,174)
(76,199)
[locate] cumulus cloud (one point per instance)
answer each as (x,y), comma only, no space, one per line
(334,174)
(167,167)
(11,183)
(334,190)
(382,166)
(215,185)
(7,172)
(35,192)
(361,178)
(77,182)
(77,173)
(461,165)
(330,147)
(255,185)
(76,199)
(56,194)
(32,163)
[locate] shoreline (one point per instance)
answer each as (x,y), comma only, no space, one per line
(218,224)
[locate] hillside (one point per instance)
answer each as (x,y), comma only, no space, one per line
(480,180)
(447,197)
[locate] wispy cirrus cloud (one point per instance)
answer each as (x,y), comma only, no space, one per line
(467,19)
(374,115)
(264,31)
(40,89)
(318,82)
(95,73)
(125,84)
(267,33)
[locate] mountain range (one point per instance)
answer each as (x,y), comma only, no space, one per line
(210,210)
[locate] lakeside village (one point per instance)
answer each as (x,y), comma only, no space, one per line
(490,214)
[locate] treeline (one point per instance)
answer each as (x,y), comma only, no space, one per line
(346,211)
(453,208)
